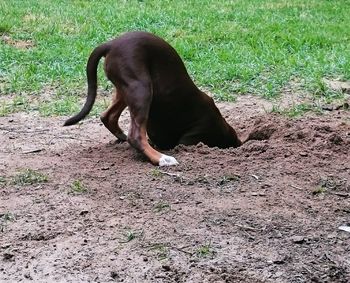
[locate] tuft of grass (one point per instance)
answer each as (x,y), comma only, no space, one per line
(161,206)
(205,251)
(227,179)
(3,181)
(67,105)
(77,187)
(16,104)
(5,218)
(64,105)
(130,235)
(156,173)
(29,177)
(55,105)
(319,191)
(161,251)
(4,28)
(297,110)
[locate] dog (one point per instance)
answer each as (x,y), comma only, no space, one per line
(164,103)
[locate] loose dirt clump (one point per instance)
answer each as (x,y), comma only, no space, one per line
(268,211)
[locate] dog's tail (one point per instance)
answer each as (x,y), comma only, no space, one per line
(91,72)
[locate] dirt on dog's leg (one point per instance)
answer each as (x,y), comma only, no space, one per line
(111,116)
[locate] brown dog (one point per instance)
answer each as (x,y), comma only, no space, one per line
(164,103)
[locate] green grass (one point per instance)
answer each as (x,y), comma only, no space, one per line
(229,47)
(129,235)
(205,251)
(29,177)
(2,180)
(156,173)
(5,218)
(319,191)
(297,110)
(160,250)
(16,104)
(161,206)
(77,187)
(228,179)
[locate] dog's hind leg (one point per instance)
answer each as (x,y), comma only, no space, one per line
(139,98)
(111,116)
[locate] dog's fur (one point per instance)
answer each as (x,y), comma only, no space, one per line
(164,103)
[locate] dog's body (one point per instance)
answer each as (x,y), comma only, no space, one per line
(164,103)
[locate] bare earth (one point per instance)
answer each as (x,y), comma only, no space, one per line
(269,211)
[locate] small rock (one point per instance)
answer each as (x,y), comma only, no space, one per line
(279,261)
(166,267)
(114,275)
(277,235)
(28,276)
(203,151)
(336,139)
(255,177)
(8,256)
(327,107)
(344,228)
(192,265)
(332,236)
(199,145)
(83,212)
(303,153)
(5,246)
(298,239)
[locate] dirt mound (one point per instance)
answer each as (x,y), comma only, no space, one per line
(268,211)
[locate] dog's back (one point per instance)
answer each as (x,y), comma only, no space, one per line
(144,52)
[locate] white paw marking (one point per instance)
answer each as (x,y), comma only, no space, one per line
(166,160)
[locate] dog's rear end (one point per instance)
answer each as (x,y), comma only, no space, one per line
(151,79)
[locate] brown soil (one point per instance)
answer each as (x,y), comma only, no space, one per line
(20,44)
(268,211)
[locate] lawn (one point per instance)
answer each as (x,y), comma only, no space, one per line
(230,48)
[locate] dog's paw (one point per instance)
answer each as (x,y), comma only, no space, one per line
(122,137)
(166,160)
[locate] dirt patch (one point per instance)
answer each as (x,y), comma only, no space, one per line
(337,85)
(268,211)
(20,44)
